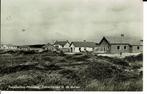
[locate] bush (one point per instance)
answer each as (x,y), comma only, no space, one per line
(134,58)
(62,53)
(116,61)
(48,58)
(80,57)
(102,70)
(111,85)
(70,74)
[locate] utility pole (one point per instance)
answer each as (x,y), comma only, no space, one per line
(122,38)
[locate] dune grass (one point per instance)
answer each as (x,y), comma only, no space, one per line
(89,72)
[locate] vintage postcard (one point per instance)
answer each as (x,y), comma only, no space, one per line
(71,45)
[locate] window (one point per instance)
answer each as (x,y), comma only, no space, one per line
(118,47)
(138,47)
(80,49)
(125,47)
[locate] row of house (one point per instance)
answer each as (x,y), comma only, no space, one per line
(105,45)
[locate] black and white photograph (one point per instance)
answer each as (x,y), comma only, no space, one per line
(71,45)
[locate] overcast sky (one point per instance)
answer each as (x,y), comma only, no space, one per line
(42,21)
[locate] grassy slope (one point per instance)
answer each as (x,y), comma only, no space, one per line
(87,71)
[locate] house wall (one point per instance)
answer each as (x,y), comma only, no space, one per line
(5,47)
(67,45)
(50,48)
(65,48)
(76,49)
(72,48)
(122,48)
(135,48)
(89,49)
(24,48)
(104,47)
(58,46)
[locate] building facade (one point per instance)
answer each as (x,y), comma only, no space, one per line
(8,47)
(118,45)
(82,46)
(62,45)
(49,47)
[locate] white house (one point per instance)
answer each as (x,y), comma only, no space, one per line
(24,47)
(49,47)
(62,45)
(80,46)
(37,47)
(8,47)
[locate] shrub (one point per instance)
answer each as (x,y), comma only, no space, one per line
(130,85)
(134,58)
(26,52)
(70,74)
(116,61)
(101,70)
(80,57)
(48,58)
(62,53)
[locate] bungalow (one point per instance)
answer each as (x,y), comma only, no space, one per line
(62,45)
(136,47)
(117,45)
(37,47)
(24,48)
(49,47)
(8,47)
(82,46)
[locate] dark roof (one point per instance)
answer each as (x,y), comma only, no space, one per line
(115,40)
(23,46)
(136,44)
(62,43)
(84,44)
(36,46)
(47,45)
(120,40)
(105,40)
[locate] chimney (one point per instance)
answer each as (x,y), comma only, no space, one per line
(141,42)
(122,38)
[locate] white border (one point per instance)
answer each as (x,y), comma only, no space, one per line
(145,46)
(74,92)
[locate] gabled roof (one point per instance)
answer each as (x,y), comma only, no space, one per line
(105,40)
(84,44)
(120,40)
(62,43)
(117,40)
